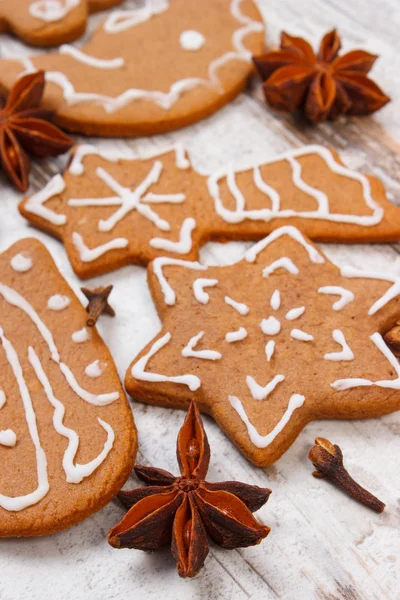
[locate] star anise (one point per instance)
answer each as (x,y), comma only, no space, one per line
(182,510)
(98,304)
(323,86)
(25,128)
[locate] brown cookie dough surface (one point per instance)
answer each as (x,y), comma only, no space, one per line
(110,211)
(67,437)
(277,340)
(151,69)
(48,22)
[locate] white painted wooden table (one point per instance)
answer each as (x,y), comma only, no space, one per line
(322,544)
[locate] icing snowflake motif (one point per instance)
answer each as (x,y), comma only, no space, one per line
(164,205)
(290,343)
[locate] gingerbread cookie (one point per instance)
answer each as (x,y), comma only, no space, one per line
(271,343)
(111,211)
(67,438)
(151,69)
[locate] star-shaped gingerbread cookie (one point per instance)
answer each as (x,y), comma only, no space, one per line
(282,338)
(67,438)
(48,22)
(150,69)
(111,211)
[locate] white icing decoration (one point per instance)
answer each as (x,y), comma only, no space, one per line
(192,40)
(35,204)
(292,232)
(160,263)
(236,336)
(270,326)
(76,166)
(295,313)
(269,349)
(189,351)
(345,295)
(185,243)
(74,473)
(2,398)
(138,370)
(95,369)
(58,302)
(258,391)
(8,438)
(323,212)
(198,289)
(18,503)
(89,254)
(275,300)
(262,441)
(21,262)
(302,336)
(80,336)
(15,299)
(128,199)
(281,263)
(391,293)
(241,308)
(121,21)
(91,61)
(346,352)
(52,10)
(377,339)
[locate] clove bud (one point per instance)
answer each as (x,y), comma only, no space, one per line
(327,458)
(98,304)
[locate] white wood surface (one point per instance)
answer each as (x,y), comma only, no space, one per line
(322,544)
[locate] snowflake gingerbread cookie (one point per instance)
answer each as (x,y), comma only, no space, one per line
(67,439)
(151,69)
(271,343)
(111,211)
(48,22)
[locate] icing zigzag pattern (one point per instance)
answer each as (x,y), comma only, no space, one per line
(111,210)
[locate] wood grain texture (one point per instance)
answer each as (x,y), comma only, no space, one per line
(322,545)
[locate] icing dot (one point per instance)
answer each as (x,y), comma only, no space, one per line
(95,369)
(270,326)
(21,262)
(8,438)
(58,302)
(80,336)
(192,40)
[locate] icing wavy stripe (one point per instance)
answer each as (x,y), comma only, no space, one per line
(281,263)
(91,61)
(75,473)
(160,263)
(18,503)
(236,336)
(240,307)
(139,369)
(391,293)
(198,289)
(120,20)
(323,212)
(164,100)
(292,232)
(269,349)
(15,299)
(262,441)
(352,382)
